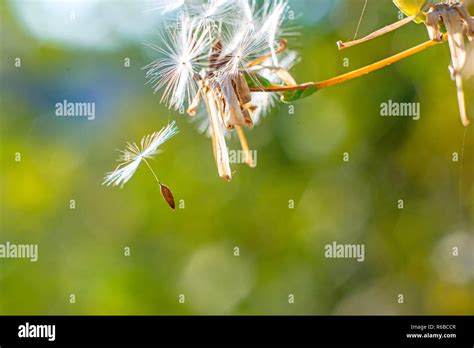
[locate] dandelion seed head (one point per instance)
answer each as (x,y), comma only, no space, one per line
(209,55)
(186,48)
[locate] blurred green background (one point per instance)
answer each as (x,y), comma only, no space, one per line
(76,50)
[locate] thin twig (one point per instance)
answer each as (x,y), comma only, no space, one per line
(341,45)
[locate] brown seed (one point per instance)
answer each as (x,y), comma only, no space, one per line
(167,195)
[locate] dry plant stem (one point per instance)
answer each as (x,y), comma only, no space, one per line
(219,146)
(245,146)
(341,45)
(353,74)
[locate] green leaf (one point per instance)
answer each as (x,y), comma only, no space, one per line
(291,96)
(256,81)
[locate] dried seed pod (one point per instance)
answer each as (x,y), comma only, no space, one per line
(167,195)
